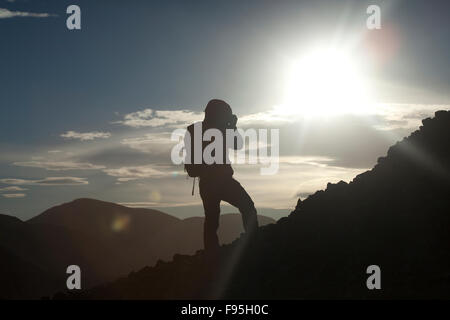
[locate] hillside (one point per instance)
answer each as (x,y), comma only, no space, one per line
(395,216)
(22,280)
(105,239)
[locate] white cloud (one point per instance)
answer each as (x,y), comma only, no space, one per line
(86,136)
(16,181)
(49,181)
(383,116)
(267,118)
(132,173)
(319,161)
(5,14)
(151,143)
(59,165)
(55,181)
(14,195)
(159,118)
(405,116)
(149,204)
(9,189)
(139,204)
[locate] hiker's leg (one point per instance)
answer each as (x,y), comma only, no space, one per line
(235,194)
(212,213)
(211,205)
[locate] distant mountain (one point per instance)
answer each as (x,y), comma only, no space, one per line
(395,216)
(188,210)
(105,239)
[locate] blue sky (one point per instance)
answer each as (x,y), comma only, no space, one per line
(70,125)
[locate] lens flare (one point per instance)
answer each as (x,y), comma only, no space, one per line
(120,223)
(155,196)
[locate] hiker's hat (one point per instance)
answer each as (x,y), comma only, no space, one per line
(217,109)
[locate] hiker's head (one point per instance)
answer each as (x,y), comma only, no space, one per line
(219,113)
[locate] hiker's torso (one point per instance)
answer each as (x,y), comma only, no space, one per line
(216,170)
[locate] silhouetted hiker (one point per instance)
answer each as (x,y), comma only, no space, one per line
(216,180)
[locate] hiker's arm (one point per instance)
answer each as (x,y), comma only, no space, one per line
(238,142)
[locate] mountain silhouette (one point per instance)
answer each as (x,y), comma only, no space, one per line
(395,216)
(105,239)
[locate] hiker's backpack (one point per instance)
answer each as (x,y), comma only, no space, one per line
(192,169)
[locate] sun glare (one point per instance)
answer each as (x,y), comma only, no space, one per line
(325,81)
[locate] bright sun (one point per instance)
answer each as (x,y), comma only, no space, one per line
(325,81)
